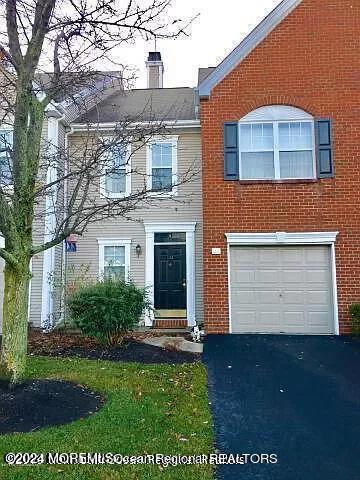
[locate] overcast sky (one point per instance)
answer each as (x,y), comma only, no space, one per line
(220,27)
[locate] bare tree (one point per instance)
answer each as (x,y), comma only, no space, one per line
(65,38)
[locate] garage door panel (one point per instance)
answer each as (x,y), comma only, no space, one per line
(297,297)
(270,256)
(316,255)
(318,319)
(268,318)
(317,276)
(245,319)
(291,256)
(245,297)
(286,289)
(247,256)
(242,276)
(269,297)
(321,297)
(294,318)
(267,276)
(293,276)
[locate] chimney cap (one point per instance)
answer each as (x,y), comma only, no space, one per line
(154,57)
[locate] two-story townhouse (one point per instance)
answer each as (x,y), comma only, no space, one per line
(161,247)
(280,144)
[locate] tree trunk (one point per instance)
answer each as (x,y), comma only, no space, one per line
(15,321)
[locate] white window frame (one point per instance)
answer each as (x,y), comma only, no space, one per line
(275,115)
(103,192)
(114,242)
(173,140)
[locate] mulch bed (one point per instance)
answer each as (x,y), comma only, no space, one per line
(61,344)
(42,403)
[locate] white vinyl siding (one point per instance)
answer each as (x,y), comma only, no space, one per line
(189,151)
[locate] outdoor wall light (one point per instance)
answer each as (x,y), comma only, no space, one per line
(138,250)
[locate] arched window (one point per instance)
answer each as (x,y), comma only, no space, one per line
(277,142)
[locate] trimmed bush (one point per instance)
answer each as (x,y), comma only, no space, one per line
(107,310)
(355,318)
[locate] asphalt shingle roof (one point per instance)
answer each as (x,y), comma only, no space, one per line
(162,104)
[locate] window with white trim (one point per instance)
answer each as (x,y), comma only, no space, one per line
(162,165)
(116,179)
(281,148)
(114,259)
(6,142)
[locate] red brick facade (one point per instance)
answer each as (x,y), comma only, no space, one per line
(310,61)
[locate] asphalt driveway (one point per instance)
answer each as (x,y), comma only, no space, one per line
(295,396)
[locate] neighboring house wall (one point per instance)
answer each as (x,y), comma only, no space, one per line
(46,290)
(186,207)
(310,61)
(45,286)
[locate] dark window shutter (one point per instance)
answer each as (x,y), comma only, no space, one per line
(324,150)
(231,151)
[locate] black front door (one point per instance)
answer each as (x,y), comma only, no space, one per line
(170,277)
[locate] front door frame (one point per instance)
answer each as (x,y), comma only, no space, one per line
(189,229)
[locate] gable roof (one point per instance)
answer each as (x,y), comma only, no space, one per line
(260,32)
(158,104)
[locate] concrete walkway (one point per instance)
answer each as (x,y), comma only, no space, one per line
(176,343)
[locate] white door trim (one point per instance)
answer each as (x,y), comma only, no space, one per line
(285,238)
(189,229)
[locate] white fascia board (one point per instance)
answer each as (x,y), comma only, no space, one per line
(247,46)
(80,127)
(282,238)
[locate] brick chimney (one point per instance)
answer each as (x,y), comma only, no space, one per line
(155,70)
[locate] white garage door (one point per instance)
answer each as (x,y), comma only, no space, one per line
(281,290)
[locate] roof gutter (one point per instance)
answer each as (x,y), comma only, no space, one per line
(81,127)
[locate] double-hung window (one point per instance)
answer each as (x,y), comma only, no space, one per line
(114,259)
(6,141)
(162,165)
(277,149)
(116,178)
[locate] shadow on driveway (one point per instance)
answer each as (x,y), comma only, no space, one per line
(295,396)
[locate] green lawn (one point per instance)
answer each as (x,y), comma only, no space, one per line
(149,409)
